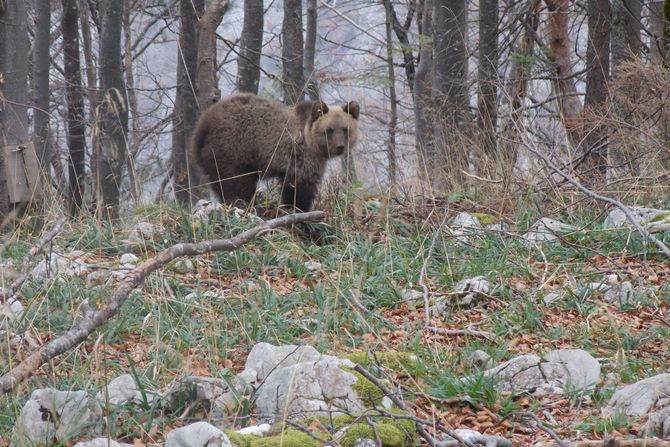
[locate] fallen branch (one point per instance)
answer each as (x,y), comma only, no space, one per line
(626,211)
(80,331)
(420,423)
(9,292)
(459,332)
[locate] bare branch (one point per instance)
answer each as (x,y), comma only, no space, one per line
(9,292)
(80,331)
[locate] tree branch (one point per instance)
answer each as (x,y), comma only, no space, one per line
(80,331)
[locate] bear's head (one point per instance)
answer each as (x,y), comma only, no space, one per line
(332,130)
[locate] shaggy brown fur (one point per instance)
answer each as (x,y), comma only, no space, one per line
(244,138)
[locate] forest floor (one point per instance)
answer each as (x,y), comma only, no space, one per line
(356,300)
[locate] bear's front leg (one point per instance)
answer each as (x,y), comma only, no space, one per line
(299,195)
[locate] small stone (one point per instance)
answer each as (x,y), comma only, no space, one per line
(102,442)
(553,296)
(621,294)
(257,430)
(183,266)
(128,258)
(313,266)
(481,359)
(547,230)
(10,311)
(199,434)
(142,232)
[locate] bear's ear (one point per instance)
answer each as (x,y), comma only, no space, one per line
(352,108)
(319,108)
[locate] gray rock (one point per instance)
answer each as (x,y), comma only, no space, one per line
(264,357)
(200,434)
(182,266)
(200,393)
(10,311)
(142,232)
(256,430)
(102,442)
(59,265)
(204,208)
(128,258)
(123,389)
(641,397)
(658,423)
(313,266)
(621,294)
(240,388)
(52,415)
(553,296)
(465,220)
(481,359)
(556,372)
(317,387)
(466,293)
(547,230)
(654,220)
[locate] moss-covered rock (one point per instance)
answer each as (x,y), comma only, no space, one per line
(390,435)
(485,218)
(287,438)
(393,360)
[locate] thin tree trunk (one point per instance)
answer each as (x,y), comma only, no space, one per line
(310,51)
(186,176)
(133,135)
(449,91)
(75,106)
(207,80)
(114,116)
(487,100)
(14,46)
(393,119)
(425,145)
(626,45)
(402,33)
(41,79)
(292,52)
(251,42)
(597,77)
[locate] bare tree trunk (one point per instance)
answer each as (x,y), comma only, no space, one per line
(402,33)
(559,48)
(133,135)
(597,77)
(14,46)
(449,91)
(251,42)
(487,100)
(41,78)
(292,52)
(93,94)
(425,144)
(310,51)
(75,106)
(186,176)
(393,119)
(114,110)
(518,87)
(626,45)
(207,80)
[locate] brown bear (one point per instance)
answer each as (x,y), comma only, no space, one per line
(245,137)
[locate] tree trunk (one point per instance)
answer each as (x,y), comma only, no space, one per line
(114,110)
(251,43)
(186,176)
(207,80)
(659,24)
(393,119)
(93,94)
(133,135)
(425,144)
(449,91)
(626,45)
(597,77)
(14,46)
(41,79)
(487,100)
(292,52)
(75,106)
(520,75)
(402,33)
(564,86)
(310,51)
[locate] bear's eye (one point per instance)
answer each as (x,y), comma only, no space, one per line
(330,130)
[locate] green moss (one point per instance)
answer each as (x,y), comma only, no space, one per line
(239,440)
(393,360)
(367,391)
(485,218)
(336,422)
(390,435)
(289,438)
(663,217)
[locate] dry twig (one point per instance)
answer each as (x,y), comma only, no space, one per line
(80,331)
